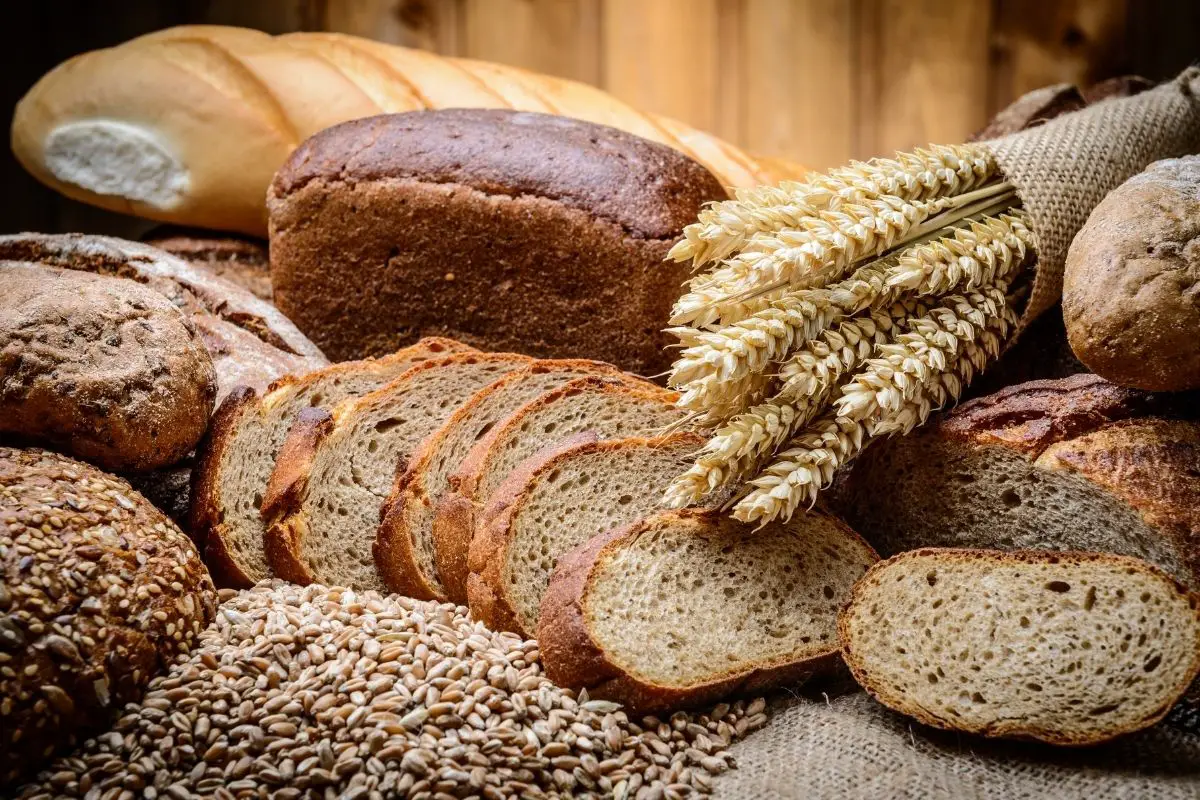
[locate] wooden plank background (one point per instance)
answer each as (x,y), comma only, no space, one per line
(815,81)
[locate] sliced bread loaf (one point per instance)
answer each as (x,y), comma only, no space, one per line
(609,408)
(237,456)
(1063,647)
(323,502)
(554,502)
(684,607)
(1074,464)
(404,548)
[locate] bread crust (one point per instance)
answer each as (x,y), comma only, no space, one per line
(241,260)
(102,368)
(455,517)
(281,506)
(402,574)
(881,693)
(573,658)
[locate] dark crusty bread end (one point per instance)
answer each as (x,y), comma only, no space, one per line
(285,491)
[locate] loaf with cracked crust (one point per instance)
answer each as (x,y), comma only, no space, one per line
(101,368)
(240,259)
(99,592)
(1075,464)
(505,230)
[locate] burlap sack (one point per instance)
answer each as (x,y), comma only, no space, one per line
(852,747)
(1063,169)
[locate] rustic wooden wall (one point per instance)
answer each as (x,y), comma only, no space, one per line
(817,81)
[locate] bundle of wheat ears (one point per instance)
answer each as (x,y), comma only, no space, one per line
(838,310)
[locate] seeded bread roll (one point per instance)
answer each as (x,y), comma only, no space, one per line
(102,368)
(239,259)
(1076,464)
(505,230)
(1066,648)
(98,593)
(685,607)
(1133,278)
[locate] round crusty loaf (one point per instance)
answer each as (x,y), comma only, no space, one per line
(102,368)
(1131,292)
(98,592)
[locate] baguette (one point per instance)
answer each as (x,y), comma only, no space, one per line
(187,125)
(1067,648)
(684,608)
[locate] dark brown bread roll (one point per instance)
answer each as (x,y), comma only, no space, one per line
(1131,290)
(98,593)
(505,230)
(102,368)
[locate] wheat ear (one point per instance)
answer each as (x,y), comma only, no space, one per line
(939,170)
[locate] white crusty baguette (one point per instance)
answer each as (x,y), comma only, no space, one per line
(188,124)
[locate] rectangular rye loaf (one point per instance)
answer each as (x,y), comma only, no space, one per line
(505,230)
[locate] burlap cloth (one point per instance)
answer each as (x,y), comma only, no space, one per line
(1064,168)
(852,747)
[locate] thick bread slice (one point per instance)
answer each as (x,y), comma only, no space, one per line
(608,408)
(554,502)
(237,456)
(1064,647)
(404,546)
(324,499)
(686,607)
(1074,464)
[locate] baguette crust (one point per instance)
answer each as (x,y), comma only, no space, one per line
(1009,729)
(455,517)
(573,658)
(396,562)
(204,521)
(286,526)
(486,594)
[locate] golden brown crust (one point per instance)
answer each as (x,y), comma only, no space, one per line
(204,523)
(397,564)
(102,368)
(572,658)
(98,593)
(282,501)
(883,695)
(486,594)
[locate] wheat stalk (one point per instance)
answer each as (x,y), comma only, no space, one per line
(938,171)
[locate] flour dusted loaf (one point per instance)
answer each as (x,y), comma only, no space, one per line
(1067,648)
(98,593)
(239,259)
(238,455)
(250,342)
(1131,290)
(1076,464)
(504,230)
(102,368)
(684,608)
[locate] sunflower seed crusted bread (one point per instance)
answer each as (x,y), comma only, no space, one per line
(1075,464)
(686,607)
(98,593)
(609,409)
(1067,648)
(404,548)
(324,500)
(102,368)
(238,455)
(554,502)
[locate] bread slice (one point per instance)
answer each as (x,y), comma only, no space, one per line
(556,501)
(608,408)
(237,456)
(1064,647)
(404,548)
(1076,464)
(683,607)
(324,500)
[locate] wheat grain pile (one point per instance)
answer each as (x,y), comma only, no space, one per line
(830,312)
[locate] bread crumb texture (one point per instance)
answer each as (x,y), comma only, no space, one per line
(1067,648)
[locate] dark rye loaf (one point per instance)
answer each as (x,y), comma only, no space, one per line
(504,230)
(1074,464)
